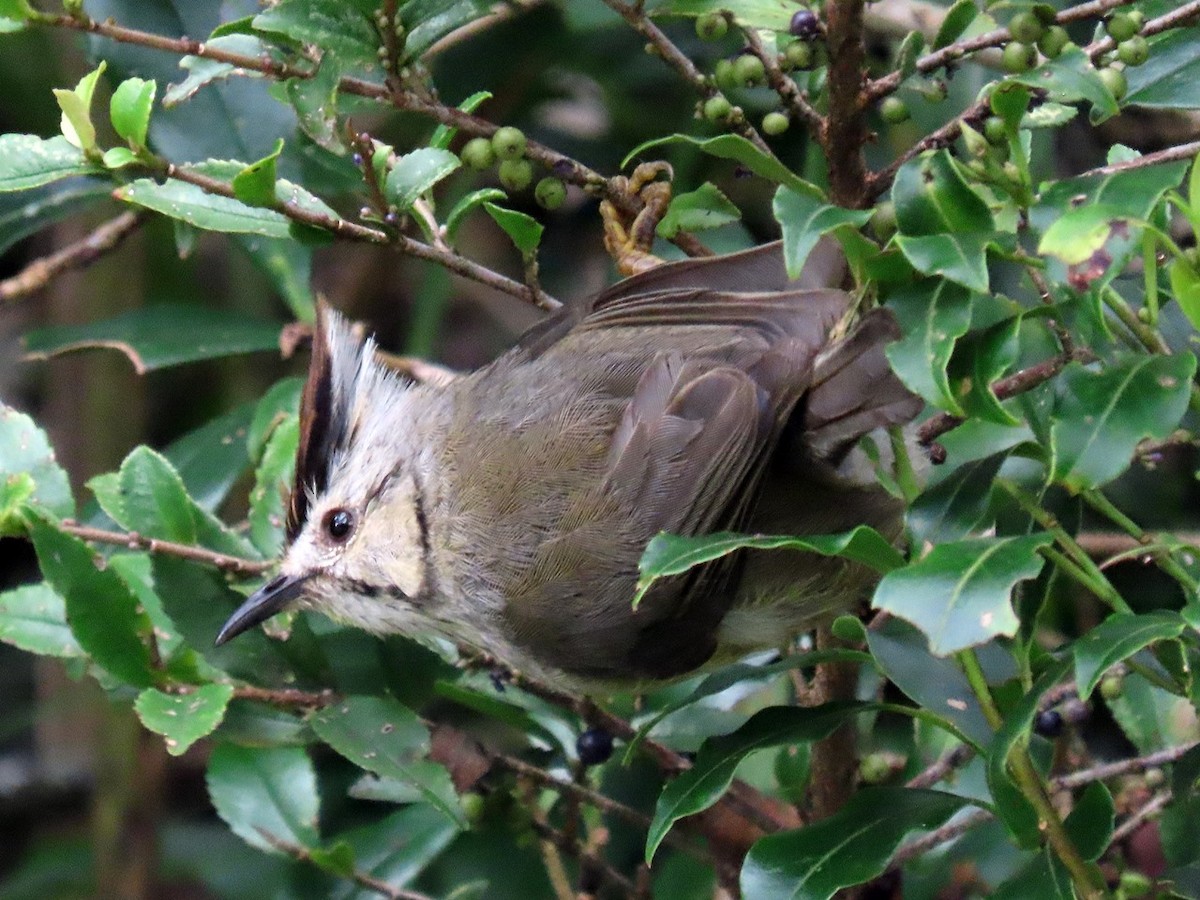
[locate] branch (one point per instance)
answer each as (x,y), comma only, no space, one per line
(83,252)
(783,85)
(1140,816)
(845,132)
(135,541)
(1175,18)
(1082,777)
(363,879)
(1170,154)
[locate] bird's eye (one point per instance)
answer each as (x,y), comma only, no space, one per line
(339,523)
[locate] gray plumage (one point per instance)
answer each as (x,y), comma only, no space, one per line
(510,507)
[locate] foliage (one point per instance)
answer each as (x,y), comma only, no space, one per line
(1048,323)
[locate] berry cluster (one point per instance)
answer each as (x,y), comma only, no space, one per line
(508,146)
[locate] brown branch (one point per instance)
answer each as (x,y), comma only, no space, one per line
(1017,383)
(288,698)
(135,541)
(83,252)
(1170,154)
(942,137)
(845,133)
(337,225)
(572,848)
(784,86)
(362,879)
(637,19)
(1175,18)
(1105,771)
(955,759)
(1140,816)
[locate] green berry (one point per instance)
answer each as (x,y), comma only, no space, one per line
(1137,17)
(550,193)
(995,130)
(1026,27)
(1134,51)
(1053,42)
(717,108)
(1121,27)
(711,27)
(875,768)
(1115,81)
(849,629)
(477,153)
(883,221)
(749,70)
(1019,57)
(934,90)
(509,142)
(515,174)
(775,123)
(1134,884)
(724,75)
(894,110)
(799,55)
(1111,687)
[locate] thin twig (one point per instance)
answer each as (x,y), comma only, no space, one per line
(1104,771)
(83,252)
(955,759)
(1173,19)
(362,879)
(135,541)
(938,836)
(1170,154)
(1140,816)
(784,86)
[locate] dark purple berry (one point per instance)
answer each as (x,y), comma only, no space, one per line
(358,159)
(804,24)
(594,746)
(1049,723)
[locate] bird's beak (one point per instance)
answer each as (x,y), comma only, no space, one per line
(272,597)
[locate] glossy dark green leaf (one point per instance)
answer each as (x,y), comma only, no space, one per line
(960,594)
(1090,823)
(990,354)
(265,794)
(162,335)
(1069,78)
(1101,416)
(670,554)
(958,18)
(281,401)
(378,851)
(467,203)
(1011,806)
(1044,877)
(850,847)
(430,20)
(702,785)
(524,230)
(959,505)
(34,618)
(766,14)
(1081,232)
(497,706)
(1168,78)
(1116,638)
(413,174)
(212,212)
(272,483)
(315,102)
(342,29)
(182,719)
(959,257)
(382,736)
(733,147)
(706,207)
(936,683)
(804,219)
(443,135)
(29,472)
(212,457)
(288,264)
(28,161)
(101,609)
(933,314)
(28,211)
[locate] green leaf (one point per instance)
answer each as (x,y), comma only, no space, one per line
(699,787)
(1090,823)
(76,107)
(1079,233)
(706,207)
(736,148)
(1044,877)
(162,335)
(183,718)
(378,853)
(38,206)
(34,618)
(957,20)
(431,20)
(933,314)
(281,401)
(805,218)
(288,264)
(27,161)
(130,109)
(1070,78)
(415,173)
(382,736)
(961,258)
(909,52)
(957,506)
(18,11)
(1168,78)
(525,231)
(669,554)
(468,203)
(204,70)
(255,184)
(315,102)
(264,793)
(119,158)
(193,205)
(902,653)
(341,29)
(211,458)
(27,457)
(1101,416)
(272,482)
(1118,637)
(850,847)
(768,15)
(444,134)
(960,594)
(101,609)
(990,354)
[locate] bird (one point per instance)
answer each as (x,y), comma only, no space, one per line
(507,509)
